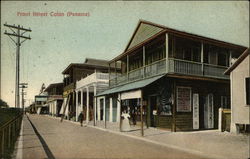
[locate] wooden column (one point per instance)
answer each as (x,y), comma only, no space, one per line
(115,74)
(166,44)
(81,100)
(230,58)
(73,101)
(120,113)
(118,107)
(87,98)
(104,104)
(110,109)
(174,107)
(94,104)
(202,58)
(77,105)
(127,67)
(144,58)
(142,131)
(109,74)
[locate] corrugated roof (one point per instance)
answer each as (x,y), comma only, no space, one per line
(130,86)
(98,62)
(153,33)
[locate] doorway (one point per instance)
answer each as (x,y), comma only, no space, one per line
(153,110)
(209,112)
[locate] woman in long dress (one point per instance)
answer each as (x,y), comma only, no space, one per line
(125,121)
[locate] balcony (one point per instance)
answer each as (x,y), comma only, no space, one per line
(93,78)
(196,68)
(175,66)
(153,69)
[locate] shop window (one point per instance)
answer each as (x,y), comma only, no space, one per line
(247,90)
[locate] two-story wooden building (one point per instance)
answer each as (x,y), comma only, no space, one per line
(73,73)
(55,99)
(178,76)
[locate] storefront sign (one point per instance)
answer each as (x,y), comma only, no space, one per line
(183,99)
(131,95)
(195,111)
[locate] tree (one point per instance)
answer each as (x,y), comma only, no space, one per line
(3,104)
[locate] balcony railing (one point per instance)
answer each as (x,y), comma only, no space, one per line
(93,78)
(174,66)
(153,69)
(196,68)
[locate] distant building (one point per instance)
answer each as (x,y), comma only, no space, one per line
(170,79)
(240,93)
(41,106)
(55,98)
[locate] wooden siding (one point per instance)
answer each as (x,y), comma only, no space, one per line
(164,121)
(184,121)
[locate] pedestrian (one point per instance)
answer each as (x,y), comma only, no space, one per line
(80,118)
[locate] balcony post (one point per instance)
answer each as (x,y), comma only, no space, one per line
(81,100)
(166,43)
(127,67)
(202,58)
(87,99)
(115,74)
(95,103)
(77,105)
(109,74)
(143,57)
(230,58)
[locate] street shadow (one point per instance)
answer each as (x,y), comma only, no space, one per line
(44,144)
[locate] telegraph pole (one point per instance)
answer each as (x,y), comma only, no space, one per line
(18,32)
(23,86)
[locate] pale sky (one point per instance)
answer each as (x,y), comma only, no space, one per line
(58,41)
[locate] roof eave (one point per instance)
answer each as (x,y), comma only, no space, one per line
(239,60)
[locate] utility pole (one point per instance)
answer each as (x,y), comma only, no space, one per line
(23,86)
(18,32)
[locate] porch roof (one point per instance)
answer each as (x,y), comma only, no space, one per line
(131,86)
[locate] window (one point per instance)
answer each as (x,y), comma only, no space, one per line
(183,99)
(222,59)
(216,55)
(247,90)
(187,49)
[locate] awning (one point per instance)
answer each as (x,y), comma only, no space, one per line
(130,86)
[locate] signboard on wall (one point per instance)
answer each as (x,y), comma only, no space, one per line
(183,99)
(195,111)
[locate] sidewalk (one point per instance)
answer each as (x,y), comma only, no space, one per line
(210,143)
(28,142)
